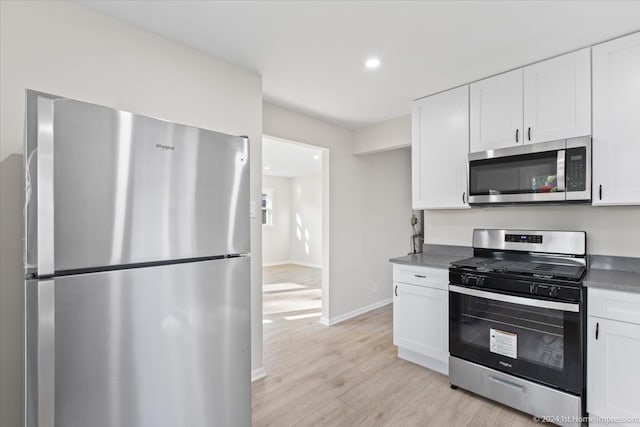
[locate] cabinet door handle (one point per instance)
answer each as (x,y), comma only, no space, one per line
(396,291)
(597,329)
(422,276)
(517,132)
(464,195)
(600,192)
(529,133)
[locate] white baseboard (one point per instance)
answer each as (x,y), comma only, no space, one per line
(426,361)
(354,313)
(258,374)
(324,321)
(273,264)
(304,264)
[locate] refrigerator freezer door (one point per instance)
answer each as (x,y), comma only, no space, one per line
(132,189)
(160,346)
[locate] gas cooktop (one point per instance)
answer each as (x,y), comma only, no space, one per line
(534,268)
(530,253)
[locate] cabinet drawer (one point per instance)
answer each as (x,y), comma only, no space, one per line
(421,276)
(614,305)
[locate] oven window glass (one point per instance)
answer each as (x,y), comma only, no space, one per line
(532,173)
(515,331)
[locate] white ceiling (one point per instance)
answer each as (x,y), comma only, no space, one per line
(289,160)
(311,53)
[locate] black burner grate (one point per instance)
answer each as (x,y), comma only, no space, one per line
(564,271)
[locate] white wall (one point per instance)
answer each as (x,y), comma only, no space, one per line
(276,239)
(610,230)
(386,135)
(67,49)
(296,234)
(306,220)
(369,204)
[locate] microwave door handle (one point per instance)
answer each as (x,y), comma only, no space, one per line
(560,169)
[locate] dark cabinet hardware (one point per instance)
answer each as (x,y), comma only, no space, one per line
(396,291)
(517,132)
(597,329)
(529,133)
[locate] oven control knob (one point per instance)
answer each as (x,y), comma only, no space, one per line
(470,279)
(533,288)
(553,291)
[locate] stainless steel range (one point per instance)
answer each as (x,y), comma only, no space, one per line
(516,319)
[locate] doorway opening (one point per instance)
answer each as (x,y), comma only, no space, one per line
(295,234)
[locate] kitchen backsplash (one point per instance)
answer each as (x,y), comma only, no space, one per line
(610,230)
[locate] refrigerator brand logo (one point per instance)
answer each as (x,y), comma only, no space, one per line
(505,364)
(165,147)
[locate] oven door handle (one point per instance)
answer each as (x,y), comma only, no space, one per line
(532,302)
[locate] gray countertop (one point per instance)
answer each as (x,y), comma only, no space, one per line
(438,256)
(426,260)
(613,273)
(605,272)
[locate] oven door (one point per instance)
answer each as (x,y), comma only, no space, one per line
(530,338)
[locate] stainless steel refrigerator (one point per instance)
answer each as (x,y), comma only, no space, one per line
(137,270)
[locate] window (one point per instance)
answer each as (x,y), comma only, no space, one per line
(267,207)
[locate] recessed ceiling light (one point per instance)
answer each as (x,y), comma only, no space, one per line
(316,157)
(372,63)
(267,168)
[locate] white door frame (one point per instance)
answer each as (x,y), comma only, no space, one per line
(324,318)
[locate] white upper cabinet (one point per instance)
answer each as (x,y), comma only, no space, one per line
(542,102)
(496,112)
(557,98)
(616,121)
(439,147)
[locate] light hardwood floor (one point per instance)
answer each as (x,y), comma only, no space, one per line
(290,291)
(348,374)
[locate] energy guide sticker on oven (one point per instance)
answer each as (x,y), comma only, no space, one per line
(504,343)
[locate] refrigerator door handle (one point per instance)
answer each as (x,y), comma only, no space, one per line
(45,359)
(45,176)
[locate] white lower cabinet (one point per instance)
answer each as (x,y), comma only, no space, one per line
(613,346)
(421,315)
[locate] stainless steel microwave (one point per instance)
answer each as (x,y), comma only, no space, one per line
(555,172)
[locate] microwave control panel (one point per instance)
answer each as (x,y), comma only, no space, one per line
(576,169)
